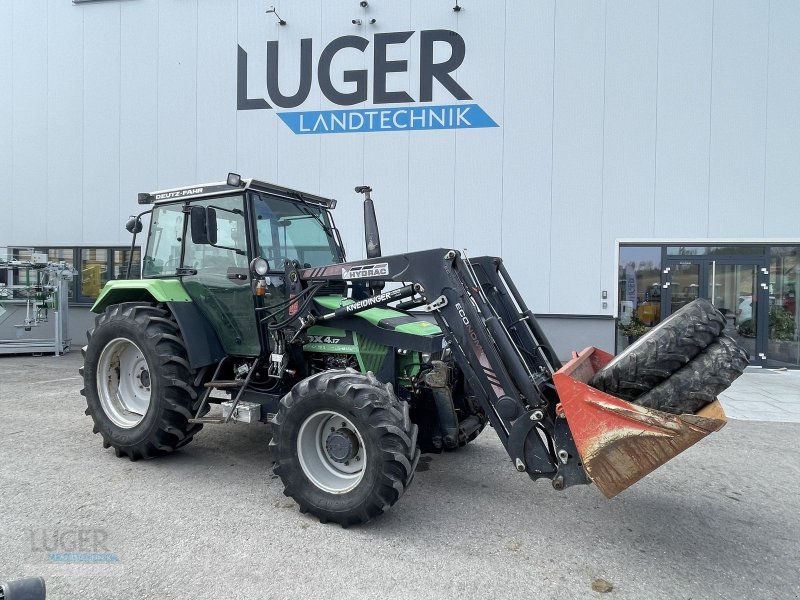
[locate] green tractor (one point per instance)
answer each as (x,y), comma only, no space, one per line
(247,304)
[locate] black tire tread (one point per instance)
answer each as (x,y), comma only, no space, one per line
(377,405)
(699,382)
(661,352)
(172,367)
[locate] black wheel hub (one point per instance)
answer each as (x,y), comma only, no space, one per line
(144,377)
(342,445)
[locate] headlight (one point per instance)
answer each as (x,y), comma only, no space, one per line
(259,266)
(425,357)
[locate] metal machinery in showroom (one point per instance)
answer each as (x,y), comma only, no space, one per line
(33,306)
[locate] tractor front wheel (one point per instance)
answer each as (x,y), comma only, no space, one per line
(344,446)
(137,381)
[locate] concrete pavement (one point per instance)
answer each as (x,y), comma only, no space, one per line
(210,521)
(764,395)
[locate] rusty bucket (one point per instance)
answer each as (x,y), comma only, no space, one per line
(620,442)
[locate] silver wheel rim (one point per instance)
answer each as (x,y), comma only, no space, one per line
(123,383)
(326,471)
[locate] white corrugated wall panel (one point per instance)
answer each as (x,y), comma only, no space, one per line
(629,140)
(386,155)
(256,130)
(101,123)
(138,135)
(738,118)
(782,204)
(528,148)
(64,141)
(29,136)
(298,155)
(7,198)
(177,93)
(432,154)
(479,152)
(683,115)
(216,90)
(577,157)
(341,167)
(610,125)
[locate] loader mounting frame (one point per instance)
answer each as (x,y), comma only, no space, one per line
(496,342)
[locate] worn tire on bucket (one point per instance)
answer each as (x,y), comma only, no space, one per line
(661,352)
(699,382)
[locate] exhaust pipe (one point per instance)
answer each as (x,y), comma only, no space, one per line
(371,234)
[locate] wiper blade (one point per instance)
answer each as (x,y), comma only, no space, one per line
(311,213)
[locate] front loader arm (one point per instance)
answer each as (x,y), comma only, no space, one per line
(509,370)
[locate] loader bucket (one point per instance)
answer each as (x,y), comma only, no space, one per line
(619,442)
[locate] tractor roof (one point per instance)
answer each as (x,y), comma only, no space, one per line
(203,190)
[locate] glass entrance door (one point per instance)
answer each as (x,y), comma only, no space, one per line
(683,282)
(734,289)
(783,328)
(737,287)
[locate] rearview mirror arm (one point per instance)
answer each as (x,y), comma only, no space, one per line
(133,244)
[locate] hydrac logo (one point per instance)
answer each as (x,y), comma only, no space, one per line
(366,271)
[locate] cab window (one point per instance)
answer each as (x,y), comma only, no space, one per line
(293,231)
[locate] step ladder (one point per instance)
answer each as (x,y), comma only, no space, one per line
(223,384)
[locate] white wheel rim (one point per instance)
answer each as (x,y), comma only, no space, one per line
(123,383)
(330,473)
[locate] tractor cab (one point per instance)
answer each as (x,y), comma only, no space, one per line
(214,237)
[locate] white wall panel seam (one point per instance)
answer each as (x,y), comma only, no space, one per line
(236,125)
(45,145)
(158,88)
(766,121)
(455,156)
(83,121)
(11,131)
(503,125)
(196,84)
(603,134)
(655,139)
(710,118)
(119,125)
(408,150)
(552,159)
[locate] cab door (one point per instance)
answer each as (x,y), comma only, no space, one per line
(219,281)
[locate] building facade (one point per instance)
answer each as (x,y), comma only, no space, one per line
(622,157)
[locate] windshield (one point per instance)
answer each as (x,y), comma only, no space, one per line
(294,231)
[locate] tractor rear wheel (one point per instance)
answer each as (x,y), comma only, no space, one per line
(344,446)
(661,351)
(137,381)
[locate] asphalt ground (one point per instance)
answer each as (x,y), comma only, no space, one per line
(210,521)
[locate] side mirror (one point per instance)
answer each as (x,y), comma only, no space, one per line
(203,225)
(134,225)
